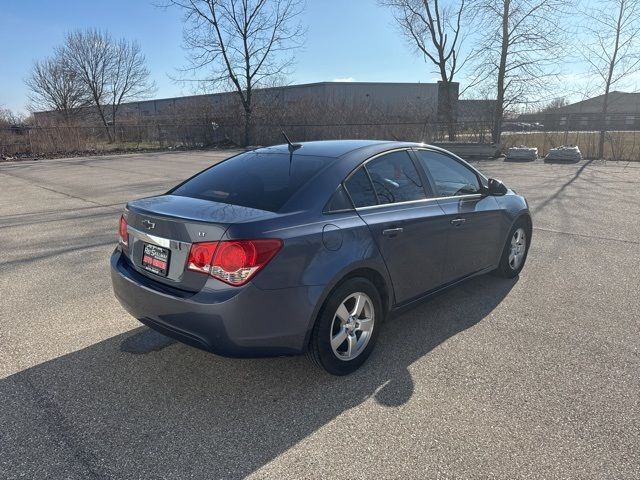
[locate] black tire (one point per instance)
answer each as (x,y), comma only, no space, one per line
(320,350)
(506,269)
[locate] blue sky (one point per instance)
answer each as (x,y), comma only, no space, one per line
(347,39)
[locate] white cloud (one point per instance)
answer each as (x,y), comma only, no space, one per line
(345,79)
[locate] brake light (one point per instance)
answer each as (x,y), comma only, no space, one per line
(124,236)
(232,261)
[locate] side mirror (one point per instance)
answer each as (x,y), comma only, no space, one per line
(496,187)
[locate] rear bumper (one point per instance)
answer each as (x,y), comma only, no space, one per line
(237,322)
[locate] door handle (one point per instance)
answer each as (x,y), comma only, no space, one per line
(392,232)
(458,221)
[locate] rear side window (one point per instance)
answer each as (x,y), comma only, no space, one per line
(360,189)
(339,201)
(395,178)
(265,181)
(451,177)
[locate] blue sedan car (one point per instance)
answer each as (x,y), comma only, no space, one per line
(308,247)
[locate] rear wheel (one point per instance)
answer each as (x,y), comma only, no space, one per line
(515,250)
(347,327)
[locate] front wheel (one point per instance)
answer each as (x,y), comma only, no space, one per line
(515,250)
(347,327)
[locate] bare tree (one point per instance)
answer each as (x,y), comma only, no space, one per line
(112,71)
(520,50)
(9,118)
(88,54)
(612,48)
(129,75)
(435,31)
(247,43)
(54,86)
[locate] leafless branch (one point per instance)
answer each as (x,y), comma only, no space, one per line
(112,71)
(436,32)
(613,54)
(53,85)
(246,44)
(520,50)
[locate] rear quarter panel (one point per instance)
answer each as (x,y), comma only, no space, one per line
(318,250)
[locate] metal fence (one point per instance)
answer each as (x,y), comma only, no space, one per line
(428,132)
(582,121)
(83,138)
(620,144)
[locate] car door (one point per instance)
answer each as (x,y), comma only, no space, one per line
(475,219)
(408,225)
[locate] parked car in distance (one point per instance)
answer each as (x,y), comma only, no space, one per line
(308,247)
(516,127)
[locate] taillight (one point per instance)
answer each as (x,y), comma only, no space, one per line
(124,236)
(233,261)
(200,256)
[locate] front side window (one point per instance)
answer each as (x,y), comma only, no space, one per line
(451,177)
(395,178)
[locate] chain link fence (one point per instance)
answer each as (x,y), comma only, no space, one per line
(82,138)
(67,140)
(552,129)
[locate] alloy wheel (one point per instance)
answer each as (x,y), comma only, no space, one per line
(352,326)
(518,248)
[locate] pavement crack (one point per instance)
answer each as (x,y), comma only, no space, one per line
(62,427)
(583,235)
(53,190)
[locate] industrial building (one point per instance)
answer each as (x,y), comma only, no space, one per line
(623,113)
(356,100)
(415,111)
(406,101)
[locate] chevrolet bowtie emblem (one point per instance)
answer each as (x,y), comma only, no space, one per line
(148,225)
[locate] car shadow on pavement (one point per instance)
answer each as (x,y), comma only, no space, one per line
(137,405)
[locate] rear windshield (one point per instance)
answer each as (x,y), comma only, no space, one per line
(265,181)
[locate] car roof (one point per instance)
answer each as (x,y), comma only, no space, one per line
(347,155)
(332,148)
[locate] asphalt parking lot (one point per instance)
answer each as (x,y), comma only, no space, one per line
(538,377)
